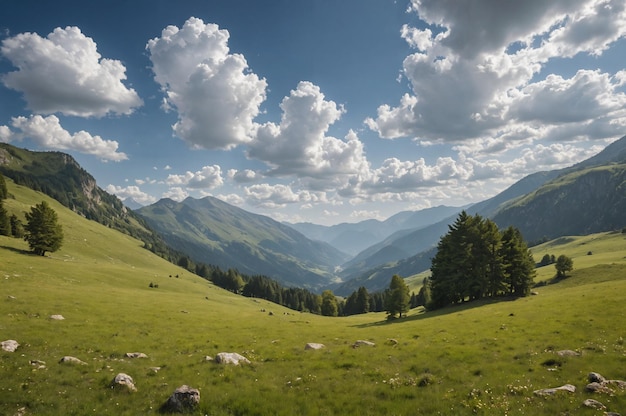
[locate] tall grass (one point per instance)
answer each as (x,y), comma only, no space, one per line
(483,358)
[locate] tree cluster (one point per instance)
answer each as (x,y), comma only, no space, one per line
(476,260)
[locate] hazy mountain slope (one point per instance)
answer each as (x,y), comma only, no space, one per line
(214,232)
(352,238)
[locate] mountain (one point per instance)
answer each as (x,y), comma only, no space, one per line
(578,203)
(353,238)
(584,198)
(214,232)
(130,203)
(59,176)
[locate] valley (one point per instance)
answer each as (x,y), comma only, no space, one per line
(484,358)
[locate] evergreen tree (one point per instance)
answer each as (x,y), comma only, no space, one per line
(17,228)
(43,232)
(5,224)
(398,298)
(362,300)
(563,265)
(329,303)
(4,192)
(518,263)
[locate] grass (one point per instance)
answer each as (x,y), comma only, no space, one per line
(470,359)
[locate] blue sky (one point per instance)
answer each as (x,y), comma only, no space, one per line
(320,111)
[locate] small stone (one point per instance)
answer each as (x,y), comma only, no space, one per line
(314,346)
(10,345)
(182,400)
(596,378)
(567,353)
(231,358)
(57,317)
(123,380)
(155,369)
(552,391)
(136,355)
(71,360)
(361,342)
(594,404)
(596,387)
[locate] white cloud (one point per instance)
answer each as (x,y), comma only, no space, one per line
(132,192)
(176,193)
(299,144)
(482,75)
(64,73)
(243,176)
(48,132)
(274,196)
(209,177)
(215,94)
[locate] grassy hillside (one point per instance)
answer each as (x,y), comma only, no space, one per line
(458,361)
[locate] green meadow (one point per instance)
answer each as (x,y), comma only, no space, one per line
(478,358)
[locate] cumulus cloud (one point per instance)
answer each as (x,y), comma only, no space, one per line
(48,132)
(299,144)
(279,195)
(479,72)
(209,177)
(64,73)
(213,91)
(132,192)
(243,176)
(175,193)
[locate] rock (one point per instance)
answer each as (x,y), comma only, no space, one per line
(361,342)
(612,414)
(38,363)
(10,345)
(594,404)
(617,383)
(596,387)
(182,400)
(208,358)
(231,358)
(596,378)
(123,381)
(71,360)
(534,292)
(314,346)
(57,317)
(552,391)
(136,355)
(567,353)
(155,369)
(392,341)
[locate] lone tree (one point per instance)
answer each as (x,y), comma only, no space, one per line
(43,232)
(397,297)
(329,303)
(563,265)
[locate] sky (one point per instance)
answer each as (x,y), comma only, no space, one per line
(317,111)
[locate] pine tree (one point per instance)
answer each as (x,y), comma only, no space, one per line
(518,263)
(362,300)
(5,224)
(43,233)
(397,298)
(4,192)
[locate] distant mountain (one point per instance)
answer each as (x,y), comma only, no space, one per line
(214,232)
(130,203)
(353,238)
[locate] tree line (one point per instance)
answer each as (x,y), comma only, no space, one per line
(476,260)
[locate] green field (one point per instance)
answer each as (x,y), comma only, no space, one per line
(472,359)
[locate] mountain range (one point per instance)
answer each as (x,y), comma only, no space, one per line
(585,198)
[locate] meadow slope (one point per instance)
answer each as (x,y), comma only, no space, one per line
(472,359)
